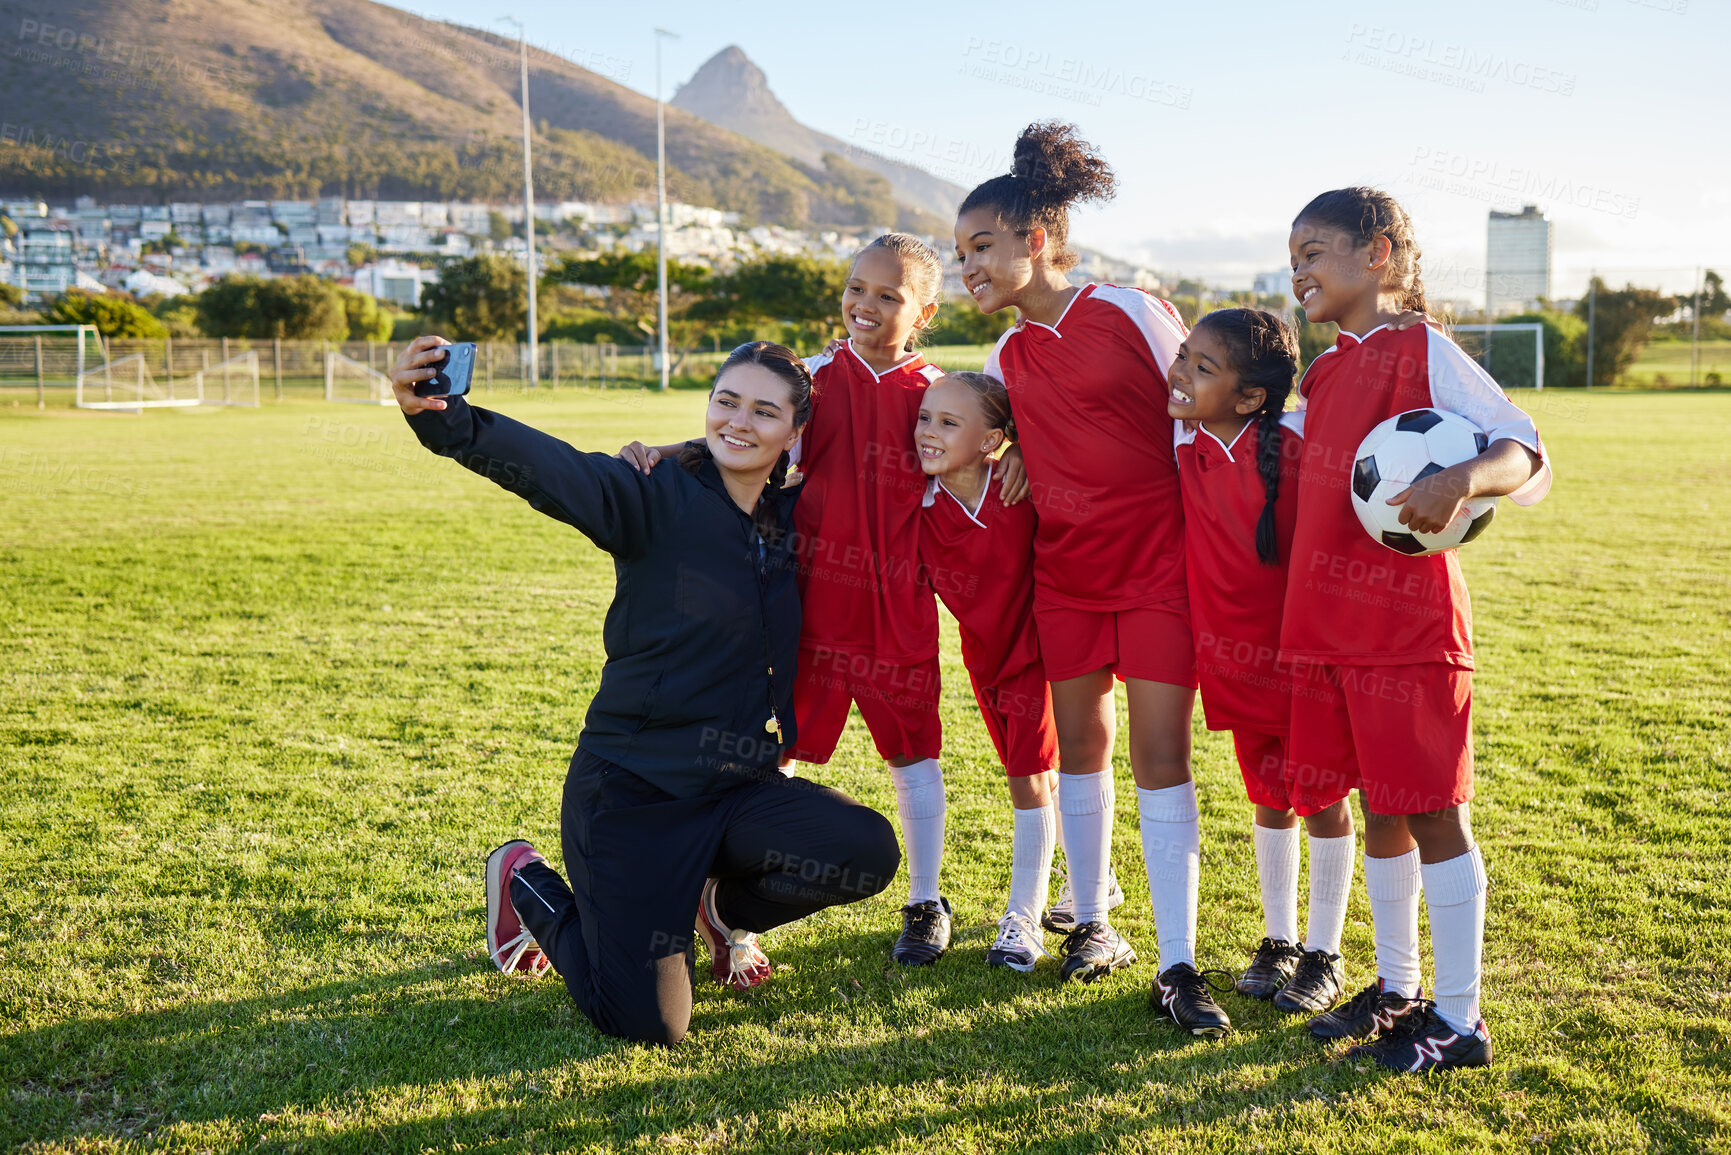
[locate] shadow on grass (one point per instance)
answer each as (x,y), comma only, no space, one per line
(833,1054)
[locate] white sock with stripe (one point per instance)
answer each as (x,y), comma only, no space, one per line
(1454,891)
(920,803)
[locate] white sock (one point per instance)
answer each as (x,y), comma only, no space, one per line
(1455,893)
(1058,777)
(1277,871)
(920,802)
(1330,883)
(1172,852)
(1085,811)
(1031,860)
(1392,886)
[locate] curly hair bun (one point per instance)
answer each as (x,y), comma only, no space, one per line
(1060,168)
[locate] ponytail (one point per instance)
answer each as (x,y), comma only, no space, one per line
(1262,350)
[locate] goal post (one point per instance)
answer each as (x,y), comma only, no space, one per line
(39,357)
(1507,361)
(230,382)
(355,382)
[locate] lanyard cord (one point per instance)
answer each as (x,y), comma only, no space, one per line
(773,724)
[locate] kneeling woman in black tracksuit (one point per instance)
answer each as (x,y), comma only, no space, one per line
(674,808)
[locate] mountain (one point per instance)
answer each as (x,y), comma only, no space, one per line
(731,91)
(154,100)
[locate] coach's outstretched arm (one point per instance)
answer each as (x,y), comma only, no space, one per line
(610,502)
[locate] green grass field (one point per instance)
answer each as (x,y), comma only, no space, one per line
(276,680)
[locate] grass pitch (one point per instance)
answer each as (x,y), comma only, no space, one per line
(274,681)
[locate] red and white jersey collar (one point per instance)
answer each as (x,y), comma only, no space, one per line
(912,360)
(973,515)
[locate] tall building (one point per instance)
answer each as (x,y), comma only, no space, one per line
(1517,261)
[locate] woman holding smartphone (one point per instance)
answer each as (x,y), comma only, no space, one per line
(674,811)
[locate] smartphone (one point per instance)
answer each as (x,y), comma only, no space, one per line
(451,375)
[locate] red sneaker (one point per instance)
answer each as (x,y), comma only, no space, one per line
(735,959)
(509,943)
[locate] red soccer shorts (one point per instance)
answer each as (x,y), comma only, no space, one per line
(899,704)
(1402,734)
(1270,780)
(1149,642)
(1018,715)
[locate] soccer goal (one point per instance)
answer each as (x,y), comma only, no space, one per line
(1513,354)
(230,382)
(356,382)
(37,358)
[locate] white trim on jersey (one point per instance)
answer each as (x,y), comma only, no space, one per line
(931,499)
(1164,333)
(992,368)
(1458,384)
(1074,297)
(1293,419)
(876,376)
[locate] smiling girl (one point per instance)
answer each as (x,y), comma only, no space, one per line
(1086,370)
(1238,468)
(1380,643)
(869,633)
(978,553)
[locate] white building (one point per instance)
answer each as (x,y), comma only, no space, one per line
(1517,261)
(1275,284)
(395,281)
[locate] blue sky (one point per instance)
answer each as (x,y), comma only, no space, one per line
(1611,115)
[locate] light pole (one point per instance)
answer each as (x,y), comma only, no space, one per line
(661,208)
(528,202)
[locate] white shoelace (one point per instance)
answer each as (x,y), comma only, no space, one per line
(1015,932)
(518,946)
(743,954)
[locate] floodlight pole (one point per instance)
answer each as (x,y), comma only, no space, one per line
(528,201)
(661,209)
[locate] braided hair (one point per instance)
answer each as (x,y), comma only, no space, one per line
(784,363)
(1262,350)
(1051,169)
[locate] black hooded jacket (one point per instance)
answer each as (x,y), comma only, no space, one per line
(703,632)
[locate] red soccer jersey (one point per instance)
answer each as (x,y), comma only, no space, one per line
(1235,600)
(1089,394)
(982,564)
(859,518)
(1351,600)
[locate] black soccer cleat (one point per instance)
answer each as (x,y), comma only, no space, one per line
(1423,1041)
(925,933)
(1271,965)
(1093,951)
(1182,993)
(1371,1012)
(1315,986)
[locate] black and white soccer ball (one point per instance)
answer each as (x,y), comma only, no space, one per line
(1409,447)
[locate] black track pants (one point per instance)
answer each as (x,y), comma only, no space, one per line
(621,933)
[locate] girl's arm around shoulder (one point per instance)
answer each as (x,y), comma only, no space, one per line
(1460,385)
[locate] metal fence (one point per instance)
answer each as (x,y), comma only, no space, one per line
(35,364)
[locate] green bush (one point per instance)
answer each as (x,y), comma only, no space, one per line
(113,316)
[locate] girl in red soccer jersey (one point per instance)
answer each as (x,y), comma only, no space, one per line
(978,554)
(869,625)
(1238,468)
(1086,370)
(1379,642)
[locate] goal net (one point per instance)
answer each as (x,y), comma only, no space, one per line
(355,381)
(1513,354)
(37,359)
(230,382)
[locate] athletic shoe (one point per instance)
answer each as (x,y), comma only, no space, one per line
(1423,1041)
(1061,918)
(1093,951)
(1371,1012)
(735,959)
(1271,965)
(509,943)
(1315,986)
(1018,944)
(925,933)
(1181,993)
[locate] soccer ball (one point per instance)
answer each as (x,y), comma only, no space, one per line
(1409,447)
